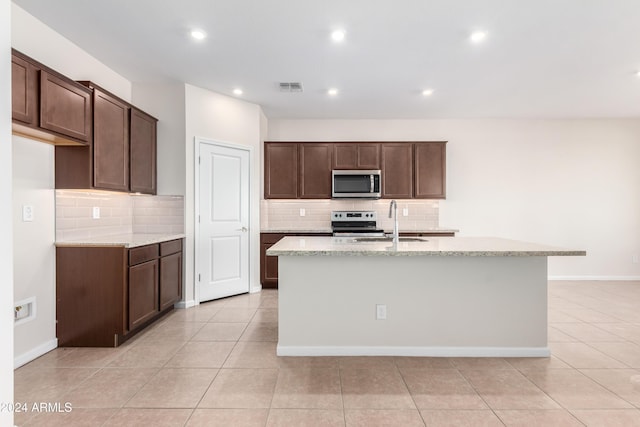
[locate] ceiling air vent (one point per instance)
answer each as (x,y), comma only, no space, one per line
(291,87)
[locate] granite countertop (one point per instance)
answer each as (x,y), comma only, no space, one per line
(126,240)
(328,230)
(433,246)
(289,230)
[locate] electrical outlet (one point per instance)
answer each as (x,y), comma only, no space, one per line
(303,212)
(381,311)
(96,212)
(405,211)
(634,258)
(27,213)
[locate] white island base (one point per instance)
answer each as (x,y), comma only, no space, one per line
(453,306)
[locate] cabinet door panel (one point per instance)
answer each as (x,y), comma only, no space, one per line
(143,293)
(170,280)
(430,163)
(110,142)
(356,156)
(143,152)
(345,156)
(65,107)
(397,170)
(368,156)
(24,91)
(315,171)
(281,171)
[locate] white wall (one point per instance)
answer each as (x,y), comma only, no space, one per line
(225,119)
(33,38)
(6,242)
(166,100)
(571,183)
(33,246)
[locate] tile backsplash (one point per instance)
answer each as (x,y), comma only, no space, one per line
(119,214)
(285,214)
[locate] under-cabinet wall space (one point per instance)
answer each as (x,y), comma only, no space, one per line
(120,213)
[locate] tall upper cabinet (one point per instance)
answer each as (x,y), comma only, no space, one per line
(123,154)
(142,147)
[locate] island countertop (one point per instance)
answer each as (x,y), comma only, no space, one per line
(433,246)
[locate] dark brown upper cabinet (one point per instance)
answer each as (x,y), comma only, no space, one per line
(24,91)
(430,170)
(47,106)
(143,152)
(397,170)
(356,156)
(303,169)
(280,170)
(110,142)
(315,170)
(65,107)
(122,156)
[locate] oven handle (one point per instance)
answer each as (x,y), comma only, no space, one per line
(371,178)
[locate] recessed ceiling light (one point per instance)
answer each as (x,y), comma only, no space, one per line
(478,36)
(198,34)
(638,74)
(338,35)
(332,91)
(237,91)
(427,92)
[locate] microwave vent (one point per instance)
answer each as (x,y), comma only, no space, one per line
(290,87)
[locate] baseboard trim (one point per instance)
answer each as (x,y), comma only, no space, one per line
(594,278)
(283,350)
(34,353)
(185,304)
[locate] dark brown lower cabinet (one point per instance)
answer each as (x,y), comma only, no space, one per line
(105,295)
(143,293)
(170,273)
(269,264)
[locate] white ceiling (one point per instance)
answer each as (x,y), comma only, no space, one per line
(541,59)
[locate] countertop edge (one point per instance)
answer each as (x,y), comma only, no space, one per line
(435,231)
(118,240)
(276,252)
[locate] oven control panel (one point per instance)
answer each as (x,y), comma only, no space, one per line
(353,216)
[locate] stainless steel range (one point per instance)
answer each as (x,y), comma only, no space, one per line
(355,224)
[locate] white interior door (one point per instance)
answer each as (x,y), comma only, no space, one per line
(223,235)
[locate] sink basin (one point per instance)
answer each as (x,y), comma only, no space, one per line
(388,239)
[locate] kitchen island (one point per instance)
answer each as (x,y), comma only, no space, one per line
(462,296)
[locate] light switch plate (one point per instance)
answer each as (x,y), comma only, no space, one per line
(303,212)
(27,213)
(96,212)
(405,211)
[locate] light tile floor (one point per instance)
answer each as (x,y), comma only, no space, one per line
(215,365)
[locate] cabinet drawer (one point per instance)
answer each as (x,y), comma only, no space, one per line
(167,248)
(143,254)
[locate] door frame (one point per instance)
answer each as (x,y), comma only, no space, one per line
(198,142)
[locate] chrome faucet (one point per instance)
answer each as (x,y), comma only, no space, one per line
(393,213)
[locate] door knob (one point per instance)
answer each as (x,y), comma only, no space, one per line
(243,229)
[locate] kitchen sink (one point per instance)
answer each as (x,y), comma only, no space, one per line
(388,239)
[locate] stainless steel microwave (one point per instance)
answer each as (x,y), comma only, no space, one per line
(356,184)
